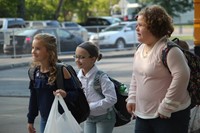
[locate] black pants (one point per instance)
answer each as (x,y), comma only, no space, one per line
(177,123)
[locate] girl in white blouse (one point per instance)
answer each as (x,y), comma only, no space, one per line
(102,117)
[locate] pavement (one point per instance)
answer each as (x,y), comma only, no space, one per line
(14,109)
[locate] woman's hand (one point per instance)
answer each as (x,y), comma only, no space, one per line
(31,128)
(61,92)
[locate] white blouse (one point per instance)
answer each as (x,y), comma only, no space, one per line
(98,105)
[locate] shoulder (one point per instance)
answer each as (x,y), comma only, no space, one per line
(66,73)
(62,70)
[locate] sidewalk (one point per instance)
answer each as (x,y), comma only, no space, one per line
(14,109)
(9,62)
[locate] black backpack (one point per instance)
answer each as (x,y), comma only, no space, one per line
(80,107)
(122,115)
(194,64)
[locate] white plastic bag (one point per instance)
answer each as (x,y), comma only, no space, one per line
(61,123)
(194,126)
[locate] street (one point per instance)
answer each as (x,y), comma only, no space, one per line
(14,83)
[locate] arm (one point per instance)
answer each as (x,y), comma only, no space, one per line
(131,100)
(177,91)
(108,90)
(33,109)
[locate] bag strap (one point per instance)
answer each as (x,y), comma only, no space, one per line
(59,75)
(31,73)
(97,82)
(170,44)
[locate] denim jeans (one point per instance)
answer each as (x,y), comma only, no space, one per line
(42,125)
(100,124)
(177,123)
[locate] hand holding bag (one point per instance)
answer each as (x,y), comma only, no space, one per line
(194,126)
(61,123)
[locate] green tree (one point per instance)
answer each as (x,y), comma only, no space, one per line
(173,7)
(11,8)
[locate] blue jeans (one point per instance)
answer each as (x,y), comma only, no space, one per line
(42,125)
(100,124)
(177,123)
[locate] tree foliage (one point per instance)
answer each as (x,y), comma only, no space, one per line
(173,7)
(64,10)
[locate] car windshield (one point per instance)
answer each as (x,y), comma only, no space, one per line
(26,32)
(115,28)
(71,25)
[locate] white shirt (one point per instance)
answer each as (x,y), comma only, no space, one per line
(98,104)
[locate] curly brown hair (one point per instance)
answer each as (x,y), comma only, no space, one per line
(158,20)
(49,41)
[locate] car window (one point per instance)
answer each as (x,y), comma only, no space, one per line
(50,31)
(26,32)
(1,24)
(115,28)
(92,21)
(64,34)
(16,24)
(103,22)
(133,26)
(53,24)
(39,24)
(70,25)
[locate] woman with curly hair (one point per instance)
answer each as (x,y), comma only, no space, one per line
(158,98)
(43,87)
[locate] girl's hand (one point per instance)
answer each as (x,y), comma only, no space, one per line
(31,128)
(162,116)
(61,92)
(130,108)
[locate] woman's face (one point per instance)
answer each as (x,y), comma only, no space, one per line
(39,51)
(143,34)
(83,59)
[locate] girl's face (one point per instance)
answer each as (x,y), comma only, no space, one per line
(39,51)
(83,59)
(143,34)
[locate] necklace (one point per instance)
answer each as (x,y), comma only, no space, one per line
(146,52)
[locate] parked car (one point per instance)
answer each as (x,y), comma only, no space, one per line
(22,40)
(96,24)
(10,23)
(43,24)
(76,29)
(117,35)
(7,26)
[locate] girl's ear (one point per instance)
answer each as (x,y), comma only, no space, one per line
(94,58)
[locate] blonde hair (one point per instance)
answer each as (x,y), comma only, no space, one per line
(48,41)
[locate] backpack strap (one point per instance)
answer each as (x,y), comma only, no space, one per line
(31,73)
(165,51)
(59,75)
(97,83)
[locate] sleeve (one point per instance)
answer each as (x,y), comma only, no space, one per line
(132,90)
(33,106)
(70,89)
(110,97)
(177,91)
